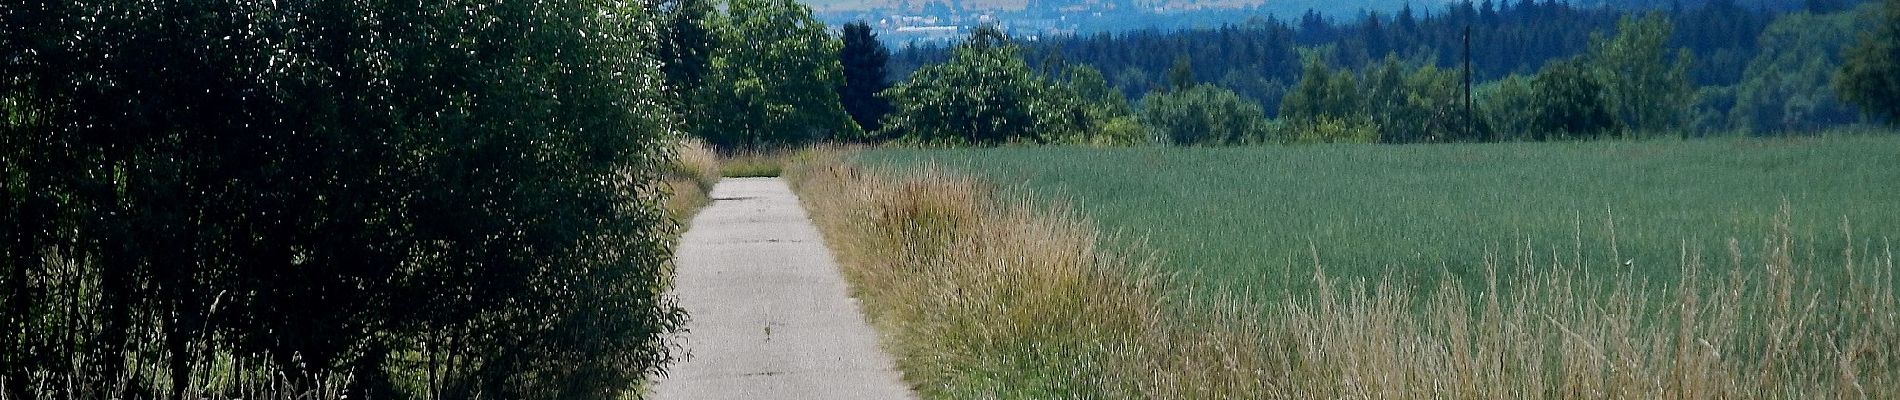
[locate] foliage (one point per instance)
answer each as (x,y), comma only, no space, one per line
(1507,37)
(985,95)
(1568,103)
(1424,105)
(1643,88)
(1092,88)
(1647,51)
(1092,112)
(1181,75)
(1787,87)
(1203,115)
(774,79)
(685,49)
(1505,105)
(452,198)
(865,62)
(1322,93)
(1712,109)
(1119,131)
(1327,107)
(1328,129)
(1870,76)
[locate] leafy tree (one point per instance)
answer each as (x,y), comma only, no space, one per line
(865,62)
(1326,107)
(1645,89)
(1080,108)
(334,187)
(1787,86)
(1181,75)
(1504,105)
(1322,92)
(1711,112)
(985,95)
(1254,86)
(685,48)
(1870,76)
(1387,99)
(1568,103)
(775,78)
(1103,101)
(1411,105)
(1203,115)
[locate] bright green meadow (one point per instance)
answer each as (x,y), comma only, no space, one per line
(1252,218)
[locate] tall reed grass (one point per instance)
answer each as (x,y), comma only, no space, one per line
(989,294)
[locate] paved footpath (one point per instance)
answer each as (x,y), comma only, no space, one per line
(771,316)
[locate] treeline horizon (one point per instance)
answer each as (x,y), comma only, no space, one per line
(1753,70)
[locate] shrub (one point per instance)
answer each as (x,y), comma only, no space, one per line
(457,198)
(1203,114)
(985,95)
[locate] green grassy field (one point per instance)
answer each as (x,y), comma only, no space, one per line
(1250,218)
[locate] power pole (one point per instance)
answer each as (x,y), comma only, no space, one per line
(1467,39)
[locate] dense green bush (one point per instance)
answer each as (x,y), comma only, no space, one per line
(1203,114)
(1867,76)
(1787,87)
(1413,104)
(773,79)
(986,95)
(1503,105)
(1564,101)
(1569,103)
(1644,88)
(446,198)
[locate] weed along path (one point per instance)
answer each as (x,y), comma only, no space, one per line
(771,316)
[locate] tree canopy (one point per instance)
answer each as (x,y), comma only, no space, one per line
(984,95)
(1203,114)
(386,191)
(865,63)
(1870,76)
(774,79)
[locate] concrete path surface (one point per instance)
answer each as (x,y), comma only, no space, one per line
(771,318)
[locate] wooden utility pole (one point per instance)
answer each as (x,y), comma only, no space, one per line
(1467,38)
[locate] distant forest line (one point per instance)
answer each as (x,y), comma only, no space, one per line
(1754,67)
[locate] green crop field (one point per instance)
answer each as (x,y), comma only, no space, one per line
(1253,217)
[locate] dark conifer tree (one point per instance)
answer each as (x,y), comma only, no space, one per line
(866,72)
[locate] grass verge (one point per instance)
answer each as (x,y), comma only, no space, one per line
(756,164)
(986,294)
(689,179)
(1220,214)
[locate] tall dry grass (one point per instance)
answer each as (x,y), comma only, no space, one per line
(985,294)
(226,378)
(754,163)
(689,179)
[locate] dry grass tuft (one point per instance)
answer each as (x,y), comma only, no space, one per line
(984,294)
(757,163)
(689,179)
(982,299)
